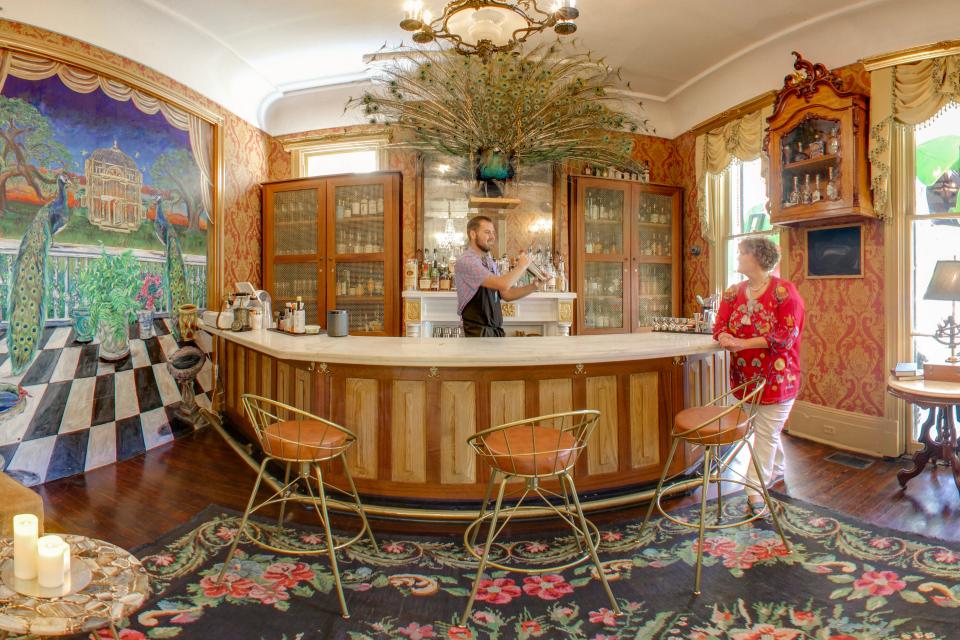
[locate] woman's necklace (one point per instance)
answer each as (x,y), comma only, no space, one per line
(760,286)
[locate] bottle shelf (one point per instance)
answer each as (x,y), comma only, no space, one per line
(361,218)
(812,164)
(654,225)
(375,298)
(601,221)
(655,259)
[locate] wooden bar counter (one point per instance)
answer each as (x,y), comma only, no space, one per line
(413,401)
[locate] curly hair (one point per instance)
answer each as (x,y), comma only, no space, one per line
(764,250)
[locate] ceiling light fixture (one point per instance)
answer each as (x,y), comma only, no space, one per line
(484,27)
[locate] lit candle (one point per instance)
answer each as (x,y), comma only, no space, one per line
(50,563)
(26,528)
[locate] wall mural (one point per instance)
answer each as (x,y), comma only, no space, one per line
(85,170)
(105,202)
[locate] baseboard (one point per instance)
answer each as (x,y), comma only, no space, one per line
(872,435)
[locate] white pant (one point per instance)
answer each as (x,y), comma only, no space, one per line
(767,448)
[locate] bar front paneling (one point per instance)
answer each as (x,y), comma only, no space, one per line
(412,422)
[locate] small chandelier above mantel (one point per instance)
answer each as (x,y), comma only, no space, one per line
(485,27)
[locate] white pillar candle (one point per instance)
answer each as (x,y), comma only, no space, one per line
(26,528)
(66,561)
(50,561)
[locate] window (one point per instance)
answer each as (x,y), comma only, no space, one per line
(312,158)
(934,228)
(746,200)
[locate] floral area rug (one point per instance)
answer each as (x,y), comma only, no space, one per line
(841,580)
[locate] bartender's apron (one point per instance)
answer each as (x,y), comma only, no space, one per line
(482,317)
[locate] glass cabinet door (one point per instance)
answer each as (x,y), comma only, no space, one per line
(358,250)
(297,279)
(295,222)
(654,239)
(604,247)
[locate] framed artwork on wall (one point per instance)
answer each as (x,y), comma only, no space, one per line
(835,252)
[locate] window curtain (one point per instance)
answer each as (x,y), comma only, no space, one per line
(905,95)
(30,67)
(740,139)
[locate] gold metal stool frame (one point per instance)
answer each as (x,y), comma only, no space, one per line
(330,442)
(563,437)
(713,468)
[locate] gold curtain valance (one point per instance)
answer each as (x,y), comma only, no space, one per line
(905,95)
(740,139)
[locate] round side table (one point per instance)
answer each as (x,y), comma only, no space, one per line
(118,588)
(942,399)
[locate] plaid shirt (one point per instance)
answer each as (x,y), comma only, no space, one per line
(471,270)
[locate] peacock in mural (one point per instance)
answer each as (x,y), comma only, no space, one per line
(27,311)
(175,276)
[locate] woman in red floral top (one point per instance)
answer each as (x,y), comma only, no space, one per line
(760,321)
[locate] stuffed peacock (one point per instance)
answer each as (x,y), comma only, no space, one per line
(175,276)
(27,310)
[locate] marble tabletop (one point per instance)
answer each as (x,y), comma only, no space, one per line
(471,352)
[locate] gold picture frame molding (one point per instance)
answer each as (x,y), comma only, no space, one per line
(16,42)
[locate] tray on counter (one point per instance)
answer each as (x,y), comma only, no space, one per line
(298,335)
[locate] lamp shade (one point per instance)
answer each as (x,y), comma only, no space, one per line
(945,282)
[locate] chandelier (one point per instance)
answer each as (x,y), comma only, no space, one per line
(484,27)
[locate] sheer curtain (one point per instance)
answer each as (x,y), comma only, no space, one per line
(740,139)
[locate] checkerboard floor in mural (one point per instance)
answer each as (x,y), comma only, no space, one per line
(84,413)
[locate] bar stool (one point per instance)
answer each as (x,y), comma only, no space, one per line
(716,424)
(535,450)
(302,441)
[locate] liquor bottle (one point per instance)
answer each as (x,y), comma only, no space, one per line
(805,194)
(833,188)
(815,148)
(551,284)
(833,142)
(815,195)
(424,275)
(434,278)
(794,197)
(799,155)
(444,279)
(561,275)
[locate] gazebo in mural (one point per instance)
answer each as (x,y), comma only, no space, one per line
(113,190)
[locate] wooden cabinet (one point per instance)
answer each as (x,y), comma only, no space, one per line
(817,147)
(335,242)
(626,246)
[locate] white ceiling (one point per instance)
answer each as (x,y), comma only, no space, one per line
(246,54)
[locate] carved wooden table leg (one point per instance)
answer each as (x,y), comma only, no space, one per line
(948,445)
(922,457)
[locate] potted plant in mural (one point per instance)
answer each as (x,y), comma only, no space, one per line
(83,326)
(111,284)
(148,297)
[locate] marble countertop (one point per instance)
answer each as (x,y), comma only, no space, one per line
(471,352)
(547,295)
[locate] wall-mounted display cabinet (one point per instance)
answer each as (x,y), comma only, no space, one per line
(334,242)
(626,241)
(817,147)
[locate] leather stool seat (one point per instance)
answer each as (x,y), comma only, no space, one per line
(302,440)
(531,450)
(727,429)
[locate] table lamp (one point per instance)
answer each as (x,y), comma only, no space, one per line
(945,285)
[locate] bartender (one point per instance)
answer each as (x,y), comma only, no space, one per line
(481,286)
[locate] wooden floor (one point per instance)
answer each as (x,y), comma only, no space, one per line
(132,503)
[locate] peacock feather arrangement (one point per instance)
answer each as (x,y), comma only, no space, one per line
(27,310)
(548,104)
(175,275)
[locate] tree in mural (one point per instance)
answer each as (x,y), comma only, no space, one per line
(176,172)
(26,147)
